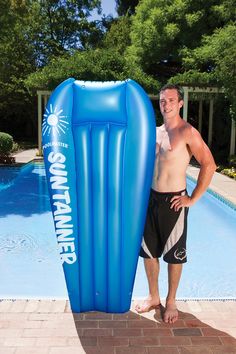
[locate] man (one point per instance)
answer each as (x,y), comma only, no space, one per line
(166,224)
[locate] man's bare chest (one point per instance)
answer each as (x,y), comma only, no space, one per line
(171,146)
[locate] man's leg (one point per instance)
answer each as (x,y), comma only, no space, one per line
(153,299)
(174,274)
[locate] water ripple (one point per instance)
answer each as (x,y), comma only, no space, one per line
(17,243)
(26,246)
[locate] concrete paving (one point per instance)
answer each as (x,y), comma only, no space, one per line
(221,184)
(26,156)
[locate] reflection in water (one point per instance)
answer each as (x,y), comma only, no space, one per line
(7,176)
(15,244)
(24,190)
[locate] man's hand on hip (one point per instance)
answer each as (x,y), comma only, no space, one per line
(180,201)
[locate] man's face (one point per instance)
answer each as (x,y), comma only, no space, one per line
(169,103)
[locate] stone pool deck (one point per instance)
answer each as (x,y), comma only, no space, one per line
(221,184)
(49,326)
(26,156)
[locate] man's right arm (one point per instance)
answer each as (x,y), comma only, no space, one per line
(203,155)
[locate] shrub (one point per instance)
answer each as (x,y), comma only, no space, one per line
(15,147)
(6,144)
(230,172)
(232,161)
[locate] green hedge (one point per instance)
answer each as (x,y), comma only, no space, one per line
(6,145)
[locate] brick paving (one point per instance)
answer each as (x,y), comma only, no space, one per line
(49,326)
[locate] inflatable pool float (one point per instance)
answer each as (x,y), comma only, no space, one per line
(99,150)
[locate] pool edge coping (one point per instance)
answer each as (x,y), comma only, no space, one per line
(216,194)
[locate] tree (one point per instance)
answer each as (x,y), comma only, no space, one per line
(118,39)
(102,64)
(118,36)
(59,26)
(98,64)
(124,7)
(161,30)
(105,63)
(16,62)
(32,32)
(214,62)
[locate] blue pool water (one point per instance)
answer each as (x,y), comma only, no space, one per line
(29,261)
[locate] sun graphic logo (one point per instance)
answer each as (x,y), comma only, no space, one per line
(54,122)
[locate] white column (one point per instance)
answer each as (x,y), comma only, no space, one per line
(39,123)
(45,100)
(200,117)
(210,122)
(232,138)
(185,112)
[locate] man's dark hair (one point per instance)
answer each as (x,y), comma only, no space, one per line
(178,88)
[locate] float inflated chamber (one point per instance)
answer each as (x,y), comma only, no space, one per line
(99,150)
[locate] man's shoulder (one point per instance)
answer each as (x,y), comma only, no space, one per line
(187,128)
(190,134)
(160,129)
(159,133)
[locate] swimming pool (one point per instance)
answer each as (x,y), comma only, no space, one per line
(29,261)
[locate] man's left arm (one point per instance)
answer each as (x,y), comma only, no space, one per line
(202,154)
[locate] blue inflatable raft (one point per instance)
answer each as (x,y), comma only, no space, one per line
(99,150)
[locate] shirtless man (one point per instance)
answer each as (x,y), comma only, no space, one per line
(166,224)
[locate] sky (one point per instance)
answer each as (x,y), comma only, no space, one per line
(108,7)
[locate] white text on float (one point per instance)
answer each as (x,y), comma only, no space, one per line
(62,210)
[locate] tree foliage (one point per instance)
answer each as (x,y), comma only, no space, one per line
(105,63)
(163,29)
(124,7)
(32,32)
(101,64)
(118,36)
(43,42)
(17,61)
(58,26)
(215,61)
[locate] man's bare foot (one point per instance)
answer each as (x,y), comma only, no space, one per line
(171,313)
(148,305)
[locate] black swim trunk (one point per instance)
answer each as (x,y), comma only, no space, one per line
(165,230)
